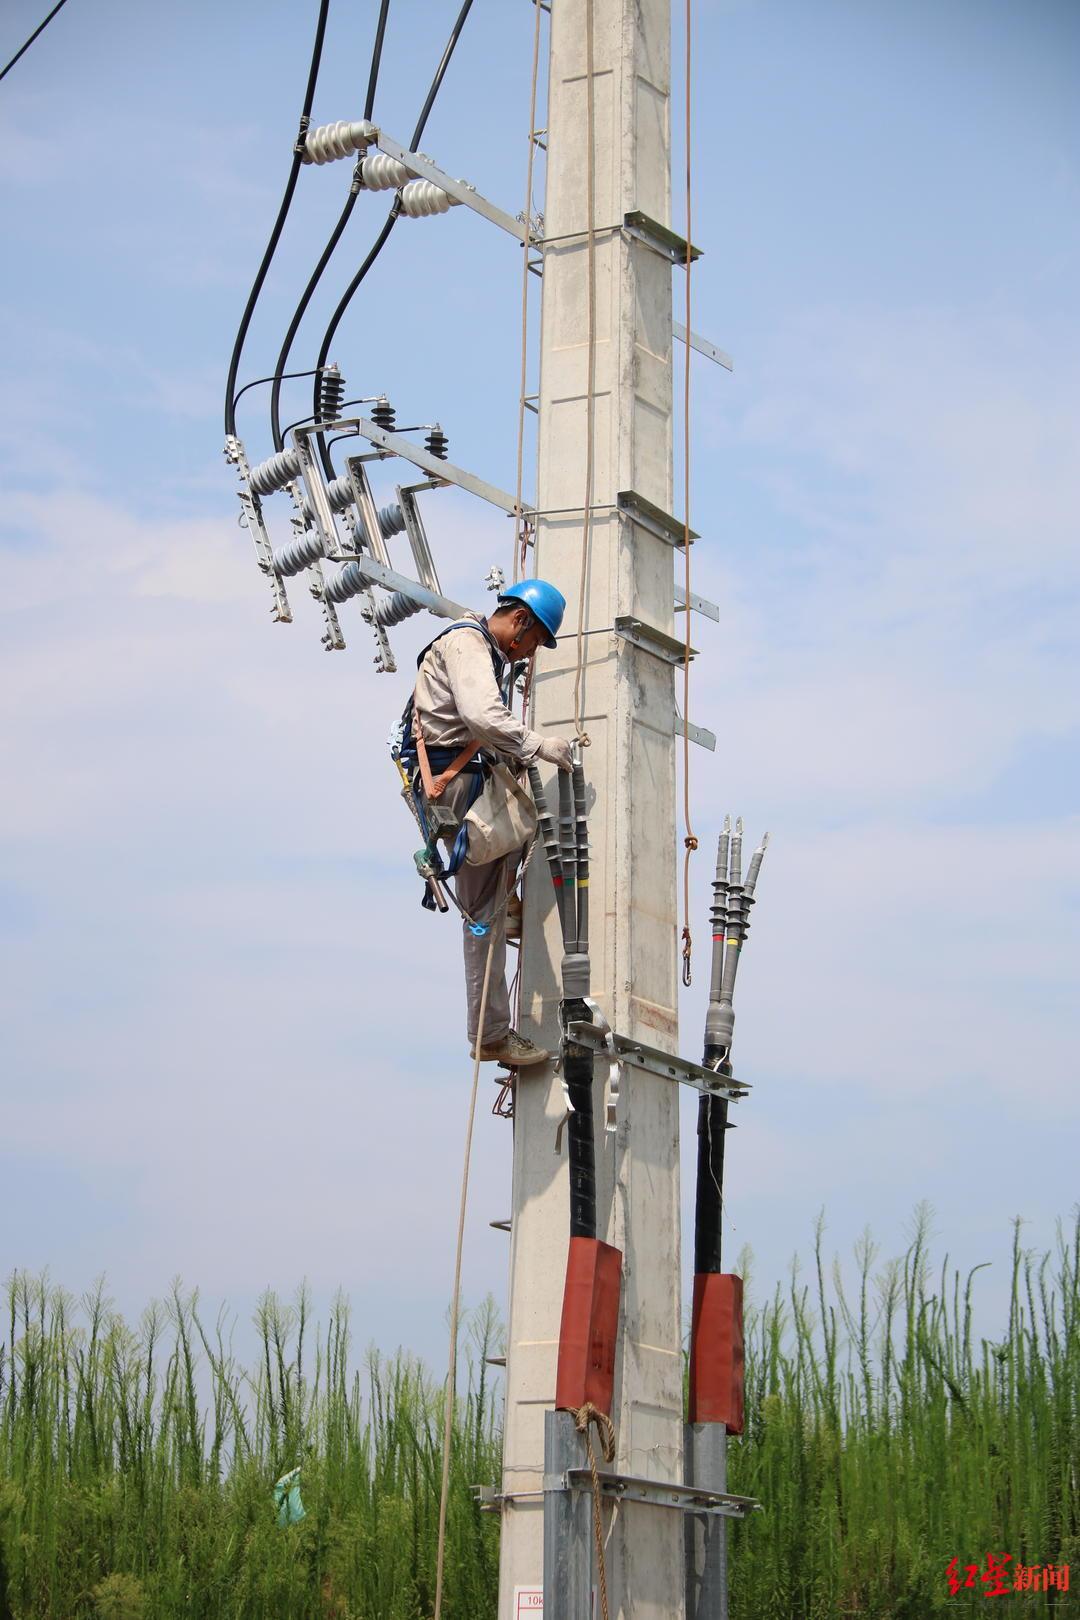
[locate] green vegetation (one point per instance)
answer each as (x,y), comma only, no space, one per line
(137,1469)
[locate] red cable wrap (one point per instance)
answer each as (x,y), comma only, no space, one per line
(716,1351)
(590,1326)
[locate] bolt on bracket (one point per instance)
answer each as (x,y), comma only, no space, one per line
(666,1065)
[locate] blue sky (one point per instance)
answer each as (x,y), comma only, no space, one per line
(211,1059)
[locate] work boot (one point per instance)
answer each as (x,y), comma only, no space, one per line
(514,1051)
(513,917)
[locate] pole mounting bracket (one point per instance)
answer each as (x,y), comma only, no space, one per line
(666,1065)
(653,517)
(650,639)
(668,243)
(635,1488)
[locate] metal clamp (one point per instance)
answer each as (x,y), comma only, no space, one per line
(665,1065)
(635,1488)
(614,1075)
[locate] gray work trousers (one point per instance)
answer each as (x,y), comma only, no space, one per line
(481,891)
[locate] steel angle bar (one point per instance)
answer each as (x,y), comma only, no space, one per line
(634,1488)
(665,1065)
(418,541)
(423,168)
(703,346)
(650,639)
(369,512)
(653,518)
(376,573)
(668,243)
(697,734)
(443,472)
(315,485)
(700,604)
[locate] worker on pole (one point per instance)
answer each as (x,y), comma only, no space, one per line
(456,727)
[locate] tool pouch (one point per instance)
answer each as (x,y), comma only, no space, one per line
(502,820)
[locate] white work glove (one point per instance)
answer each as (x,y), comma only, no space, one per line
(556,750)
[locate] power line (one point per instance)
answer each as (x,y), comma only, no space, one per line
(279,223)
(328,250)
(40,29)
(391,219)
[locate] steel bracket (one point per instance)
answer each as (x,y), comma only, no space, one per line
(665,1065)
(668,243)
(697,734)
(460,190)
(700,604)
(443,472)
(635,1488)
(650,639)
(653,518)
(703,346)
(376,573)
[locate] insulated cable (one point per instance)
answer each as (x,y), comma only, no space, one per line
(335,237)
(40,29)
(391,218)
(279,223)
(690,842)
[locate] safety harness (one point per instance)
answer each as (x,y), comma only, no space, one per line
(428,771)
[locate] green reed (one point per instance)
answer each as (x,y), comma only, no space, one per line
(136,1469)
(883,1438)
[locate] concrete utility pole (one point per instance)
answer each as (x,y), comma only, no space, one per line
(629,714)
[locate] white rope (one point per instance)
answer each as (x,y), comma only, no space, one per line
(451,1371)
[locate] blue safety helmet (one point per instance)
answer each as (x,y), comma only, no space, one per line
(544,602)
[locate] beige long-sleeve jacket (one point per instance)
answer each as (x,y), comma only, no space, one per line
(457,698)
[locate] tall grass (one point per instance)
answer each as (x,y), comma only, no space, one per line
(124,1493)
(883,1438)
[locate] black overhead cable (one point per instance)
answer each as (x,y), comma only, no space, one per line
(328,250)
(275,234)
(391,221)
(40,29)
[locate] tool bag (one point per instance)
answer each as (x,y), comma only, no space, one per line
(502,819)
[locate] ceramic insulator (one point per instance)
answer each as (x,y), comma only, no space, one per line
(338,140)
(382,173)
(274,472)
(422,197)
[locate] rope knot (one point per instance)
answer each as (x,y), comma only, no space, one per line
(690,842)
(583,1416)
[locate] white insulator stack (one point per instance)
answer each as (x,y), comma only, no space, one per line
(338,140)
(301,553)
(422,197)
(275,472)
(382,173)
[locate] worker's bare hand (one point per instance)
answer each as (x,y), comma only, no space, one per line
(556,750)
